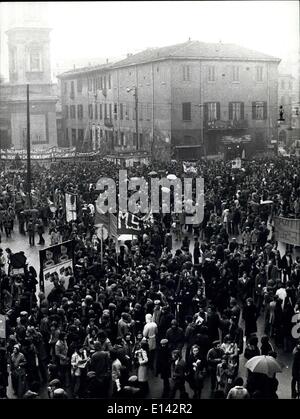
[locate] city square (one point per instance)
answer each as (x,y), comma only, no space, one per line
(149,205)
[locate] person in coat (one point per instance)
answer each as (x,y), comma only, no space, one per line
(250,317)
(100,364)
(150,333)
(214,357)
(178,375)
(163,365)
(18,372)
(141,357)
(195,368)
(175,336)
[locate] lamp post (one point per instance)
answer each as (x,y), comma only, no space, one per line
(135,94)
(201,105)
(28,150)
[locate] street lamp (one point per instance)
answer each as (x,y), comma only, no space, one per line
(28,149)
(201,105)
(134,89)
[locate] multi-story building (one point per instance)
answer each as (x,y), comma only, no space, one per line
(29,64)
(195,98)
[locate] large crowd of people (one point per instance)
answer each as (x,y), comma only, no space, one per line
(179,302)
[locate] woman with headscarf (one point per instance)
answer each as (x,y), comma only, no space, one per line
(150,332)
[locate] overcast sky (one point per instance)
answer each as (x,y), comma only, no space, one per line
(112,29)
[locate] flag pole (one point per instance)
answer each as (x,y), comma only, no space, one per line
(102,245)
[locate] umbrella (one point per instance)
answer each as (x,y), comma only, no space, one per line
(171,177)
(266,202)
(263,364)
(152,173)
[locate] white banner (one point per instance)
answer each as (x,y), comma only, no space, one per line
(71,207)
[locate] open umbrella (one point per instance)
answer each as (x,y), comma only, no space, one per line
(171,177)
(153,173)
(263,364)
(268,201)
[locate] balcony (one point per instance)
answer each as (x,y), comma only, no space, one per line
(226,125)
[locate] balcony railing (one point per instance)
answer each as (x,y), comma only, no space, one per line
(226,125)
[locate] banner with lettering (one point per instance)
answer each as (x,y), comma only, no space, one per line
(287,230)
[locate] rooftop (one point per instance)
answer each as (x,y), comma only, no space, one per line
(187,50)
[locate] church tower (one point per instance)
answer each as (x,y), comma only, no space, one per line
(28,40)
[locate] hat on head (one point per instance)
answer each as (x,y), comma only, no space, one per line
(216,342)
(55,383)
(132,379)
(156,302)
(164,342)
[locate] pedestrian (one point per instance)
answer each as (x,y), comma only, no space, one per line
(178,374)
(31,232)
(163,366)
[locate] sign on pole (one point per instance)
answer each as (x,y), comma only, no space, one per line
(56,262)
(2,326)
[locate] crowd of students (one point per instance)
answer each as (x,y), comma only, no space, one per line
(174,303)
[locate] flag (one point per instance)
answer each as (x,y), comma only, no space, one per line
(113,225)
(107,222)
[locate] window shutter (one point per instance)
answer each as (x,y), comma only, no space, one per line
(265,110)
(253,110)
(218,111)
(242,111)
(230,111)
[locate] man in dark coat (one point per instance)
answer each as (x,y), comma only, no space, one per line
(214,357)
(163,365)
(250,317)
(100,364)
(178,371)
(175,336)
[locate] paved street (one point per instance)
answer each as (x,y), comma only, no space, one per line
(18,242)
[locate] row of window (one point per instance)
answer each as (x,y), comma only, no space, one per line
(110,111)
(94,84)
(211,111)
(77,136)
(235,73)
(235,111)
(104,82)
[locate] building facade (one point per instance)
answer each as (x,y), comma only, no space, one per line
(186,101)
(29,64)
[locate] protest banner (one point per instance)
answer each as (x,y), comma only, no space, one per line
(71,206)
(56,261)
(287,230)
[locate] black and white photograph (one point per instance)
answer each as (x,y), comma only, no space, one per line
(149,203)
